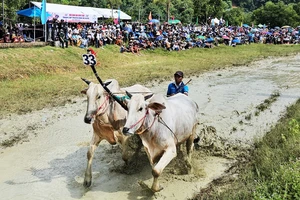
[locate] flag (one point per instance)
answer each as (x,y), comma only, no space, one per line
(150,16)
(44,12)
(197,21)
(119,15)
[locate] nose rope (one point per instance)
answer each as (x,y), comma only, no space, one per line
(142,131)
(143,118)
(100,107)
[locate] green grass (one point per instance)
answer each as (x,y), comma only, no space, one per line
(272,171)
(35,78)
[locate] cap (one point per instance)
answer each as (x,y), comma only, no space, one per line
(179,73)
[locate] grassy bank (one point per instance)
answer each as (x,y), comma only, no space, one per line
(34,78)
(272,171)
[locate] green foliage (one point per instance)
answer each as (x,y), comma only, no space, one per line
(234,16)
(276,15)
(283,183)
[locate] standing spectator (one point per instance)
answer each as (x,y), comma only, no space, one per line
(62,39)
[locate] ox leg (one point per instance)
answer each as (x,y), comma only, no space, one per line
(166,158)
(125,153)
(90,154)
(189,150)
(130,144)
(123,141)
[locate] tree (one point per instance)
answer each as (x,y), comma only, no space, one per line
(168,5)
(276,14)
(234,16)
(182,10)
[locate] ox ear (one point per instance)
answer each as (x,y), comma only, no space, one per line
(83,91)
(148,97)
(86,81)
(156,106)
(129,95)
(106,84)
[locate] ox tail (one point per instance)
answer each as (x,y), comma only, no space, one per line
(196,137)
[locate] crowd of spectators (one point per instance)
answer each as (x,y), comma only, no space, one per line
(15,34)
(134,37)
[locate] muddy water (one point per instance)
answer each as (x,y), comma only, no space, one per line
(50,163)
(228,98)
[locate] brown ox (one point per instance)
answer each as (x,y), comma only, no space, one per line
(108,118)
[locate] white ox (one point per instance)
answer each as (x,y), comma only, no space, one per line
(108,118)
(162,124)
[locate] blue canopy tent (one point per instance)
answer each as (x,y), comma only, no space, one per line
(32,12)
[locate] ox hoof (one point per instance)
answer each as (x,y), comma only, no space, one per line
(157,189)
(87,184)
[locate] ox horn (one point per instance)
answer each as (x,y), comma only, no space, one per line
(129,95)
(148,96)
(86,81)
(107,83)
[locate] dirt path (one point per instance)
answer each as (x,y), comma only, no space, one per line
(236,106)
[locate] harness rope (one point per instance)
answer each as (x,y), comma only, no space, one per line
(160,120)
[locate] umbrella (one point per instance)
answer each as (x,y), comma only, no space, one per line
(285,27)
(32,12)
(174,21)
(209,40)
(126,28)
(201,37)
(245,25)
(154,21)
(225,37)
(159,38)
(235,40)
(260,25)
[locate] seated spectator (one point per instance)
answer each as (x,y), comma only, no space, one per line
(74,39)
(78,40)
(135,48)
(27,39)
(119,41)
(15,39)
(21,38)
(123,49)
(84,43)
(176,47)
(7,38)
(70,39)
